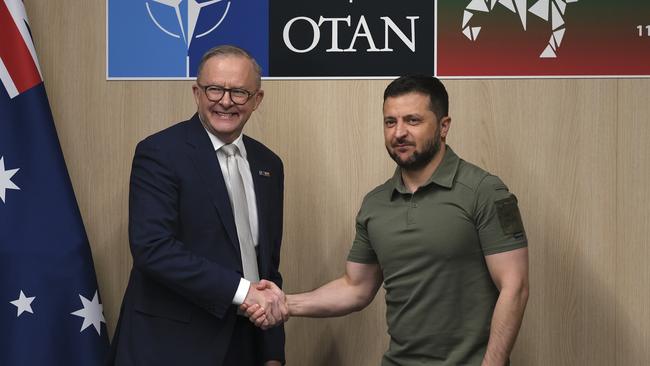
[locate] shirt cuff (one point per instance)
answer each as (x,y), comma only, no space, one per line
(242,291)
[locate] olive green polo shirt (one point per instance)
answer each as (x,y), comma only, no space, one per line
(431,246)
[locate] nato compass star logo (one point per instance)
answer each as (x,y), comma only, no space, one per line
(193,9)
(166,39)
(186,14)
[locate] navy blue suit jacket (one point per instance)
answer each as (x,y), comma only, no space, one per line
(177,309)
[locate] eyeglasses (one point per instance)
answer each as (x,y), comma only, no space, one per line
(215,93)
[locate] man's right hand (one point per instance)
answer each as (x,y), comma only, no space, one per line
(265,305)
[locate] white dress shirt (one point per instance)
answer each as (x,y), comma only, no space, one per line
(249,188)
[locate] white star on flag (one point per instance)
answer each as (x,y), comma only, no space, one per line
(23,304)
(92,313)
(5,179)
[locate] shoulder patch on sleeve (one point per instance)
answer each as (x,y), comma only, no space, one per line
(500,186)
(509,216)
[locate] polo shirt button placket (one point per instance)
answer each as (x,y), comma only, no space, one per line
(410,211)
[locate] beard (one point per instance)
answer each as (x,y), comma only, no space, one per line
(419,159)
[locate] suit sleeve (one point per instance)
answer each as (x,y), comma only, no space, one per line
(153,231)
(273,339)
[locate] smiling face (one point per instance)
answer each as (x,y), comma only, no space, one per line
(412,132)
(224,118)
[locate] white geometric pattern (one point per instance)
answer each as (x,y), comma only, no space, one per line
(468,33)
(556,17)
(541,9)
(466,18)
(508,4)
(559,35)
(549,10)
(478,5)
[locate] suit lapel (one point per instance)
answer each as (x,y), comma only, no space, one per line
(207,165)
(261,184)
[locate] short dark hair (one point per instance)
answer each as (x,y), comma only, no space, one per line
(229,50)
(423,84)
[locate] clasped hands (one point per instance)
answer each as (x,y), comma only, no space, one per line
(265,305)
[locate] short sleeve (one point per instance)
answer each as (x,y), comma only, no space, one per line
(498,220)
(362,251)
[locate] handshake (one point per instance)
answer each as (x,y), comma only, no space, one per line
(265,305)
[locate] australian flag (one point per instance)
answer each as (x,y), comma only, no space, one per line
(50,309)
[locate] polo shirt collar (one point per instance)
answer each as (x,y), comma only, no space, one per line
(443,175)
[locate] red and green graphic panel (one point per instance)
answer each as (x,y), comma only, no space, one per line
(564,38)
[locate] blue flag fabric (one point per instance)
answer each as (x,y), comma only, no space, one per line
(50,310)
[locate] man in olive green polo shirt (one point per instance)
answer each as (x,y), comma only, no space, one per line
(444,236)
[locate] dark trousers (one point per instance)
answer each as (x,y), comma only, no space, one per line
(244,347)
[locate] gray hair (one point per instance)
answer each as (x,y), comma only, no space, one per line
(229,50)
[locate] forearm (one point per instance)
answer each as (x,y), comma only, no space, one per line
(506,321)
(336,298)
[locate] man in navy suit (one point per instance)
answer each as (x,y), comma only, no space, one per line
(205,224)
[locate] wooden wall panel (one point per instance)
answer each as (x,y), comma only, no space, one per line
(574,151)
(632,275)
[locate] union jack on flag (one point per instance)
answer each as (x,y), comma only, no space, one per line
(50,308)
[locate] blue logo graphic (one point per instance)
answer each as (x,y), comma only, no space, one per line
(155,39)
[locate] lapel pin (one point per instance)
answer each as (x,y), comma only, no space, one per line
(264,173)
